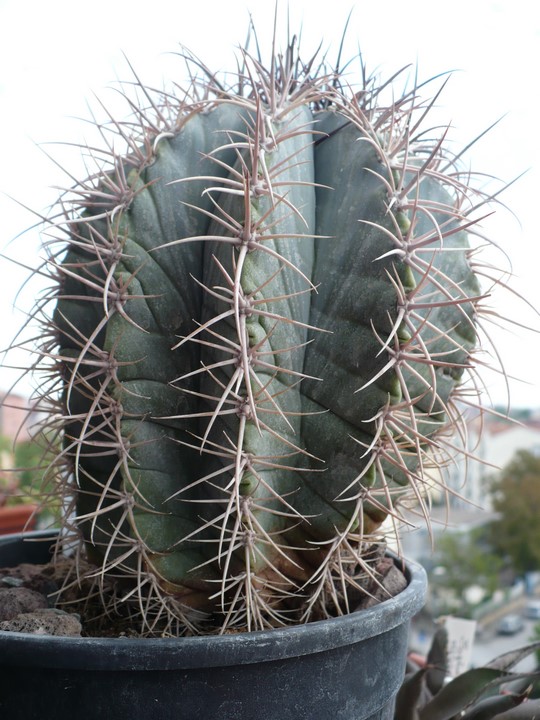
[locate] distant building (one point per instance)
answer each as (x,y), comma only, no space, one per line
(492,443)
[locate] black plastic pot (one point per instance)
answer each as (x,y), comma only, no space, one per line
(344,668)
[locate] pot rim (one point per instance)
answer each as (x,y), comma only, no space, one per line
(212,650)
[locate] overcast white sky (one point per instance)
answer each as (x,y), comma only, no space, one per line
(56,55)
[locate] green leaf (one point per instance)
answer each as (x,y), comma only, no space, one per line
(508,660)
(437,661)
(460,692)
(529,710)
(412,695)
(490,708)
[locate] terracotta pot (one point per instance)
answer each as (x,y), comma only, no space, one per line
(16,518)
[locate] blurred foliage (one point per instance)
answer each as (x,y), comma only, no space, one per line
(536,637)
(516,497)
(466,559)
(25,473)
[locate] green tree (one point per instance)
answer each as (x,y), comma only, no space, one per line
(468,559)
(516,497)
(26,470)
(30,461)
(535,638)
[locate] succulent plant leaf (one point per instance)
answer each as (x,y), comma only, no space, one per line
(455,697)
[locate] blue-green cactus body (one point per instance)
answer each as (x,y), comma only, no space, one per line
(260,336)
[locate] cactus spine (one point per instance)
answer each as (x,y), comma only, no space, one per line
(264,309)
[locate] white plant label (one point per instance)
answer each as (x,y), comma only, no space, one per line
(460,644)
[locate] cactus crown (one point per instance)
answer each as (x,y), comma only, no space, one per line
(264,306)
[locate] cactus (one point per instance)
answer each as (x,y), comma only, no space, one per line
(265,308)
